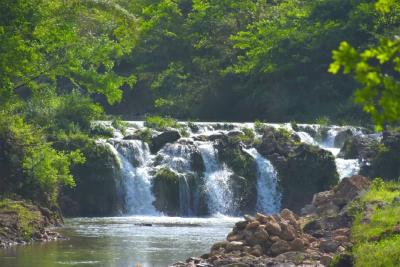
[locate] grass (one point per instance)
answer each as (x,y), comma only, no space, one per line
(161,123)
(27,216)
(385,253)
(375,241)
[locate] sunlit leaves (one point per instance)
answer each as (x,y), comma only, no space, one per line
(377,70)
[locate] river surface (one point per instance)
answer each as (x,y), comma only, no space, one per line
(122,241)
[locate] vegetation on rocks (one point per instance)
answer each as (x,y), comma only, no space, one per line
(303,169)
(376,226)
(21,221)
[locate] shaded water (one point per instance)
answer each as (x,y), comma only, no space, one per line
(123,241)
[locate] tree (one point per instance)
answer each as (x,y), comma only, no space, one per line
(377,69)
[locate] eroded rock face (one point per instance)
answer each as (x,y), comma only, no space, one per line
(280,239)
(163,138)
(303,169)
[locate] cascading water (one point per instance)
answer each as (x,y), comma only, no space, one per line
(268,196)
(212,189)
(176,157)
(344,167)
(134,156)
(218,189)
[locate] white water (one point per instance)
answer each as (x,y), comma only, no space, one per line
(268,195)
(138,167)
(136,180)
(218,189)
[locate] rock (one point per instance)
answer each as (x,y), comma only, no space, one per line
(258,237)
(297,245)
(329,246)
(252,225)
(361,147)
(280,247)
(342,232)
(234,245)
(273,228)
(219,245)
(261,218)
(232,236)
(249,218)
(288,215)
(350,188)
(256,251)
(160,140)
(326,260)
(288,232)
(341,239)
(241,225)
(342,137)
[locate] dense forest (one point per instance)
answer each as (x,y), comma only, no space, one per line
(65,64)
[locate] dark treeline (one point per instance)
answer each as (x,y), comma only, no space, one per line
(247,60)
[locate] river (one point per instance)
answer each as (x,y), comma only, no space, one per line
(122,241)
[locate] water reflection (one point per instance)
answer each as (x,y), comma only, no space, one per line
(122,241)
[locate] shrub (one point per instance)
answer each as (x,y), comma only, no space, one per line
(161,123)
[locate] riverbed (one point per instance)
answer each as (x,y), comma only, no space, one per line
(122,241)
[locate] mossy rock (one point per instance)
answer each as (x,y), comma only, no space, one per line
(20,220)
(385,161)
(98,185)
(166,191)
(303,169)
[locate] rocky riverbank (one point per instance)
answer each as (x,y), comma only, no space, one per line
(22,222)
(287,239)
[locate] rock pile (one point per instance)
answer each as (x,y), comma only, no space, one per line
(286,239)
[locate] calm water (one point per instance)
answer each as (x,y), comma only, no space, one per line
(122,241)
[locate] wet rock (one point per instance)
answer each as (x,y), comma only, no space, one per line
(342,137)
(160,140)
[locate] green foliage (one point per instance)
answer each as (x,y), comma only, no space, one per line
(31,166)
(145,135)
(101,130)
(161,123)
(384,253)
(376,69)
(28,218)
(248,135)
(323,121)
(259,126)
(376,243)
(119,124)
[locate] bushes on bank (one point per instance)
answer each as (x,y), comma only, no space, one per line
(374,232)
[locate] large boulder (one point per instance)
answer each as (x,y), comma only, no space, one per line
(385,161)
(361,147)
(168,136)
(98,185)
(166,191)
(303,169)
(342,137)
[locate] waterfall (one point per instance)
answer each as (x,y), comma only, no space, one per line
(176,157)
(218,189)
(212,191)
(268,196)
(134,156)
